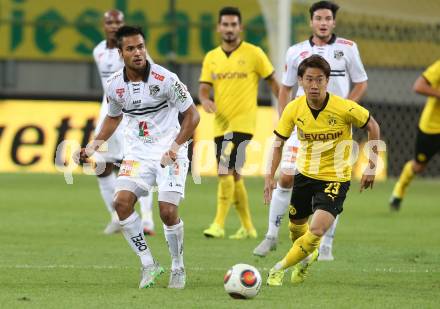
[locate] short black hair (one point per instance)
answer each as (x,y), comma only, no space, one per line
(324,5)
(314,61)
(125,31)
(229,10)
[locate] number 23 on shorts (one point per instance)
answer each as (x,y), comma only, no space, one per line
(333,188)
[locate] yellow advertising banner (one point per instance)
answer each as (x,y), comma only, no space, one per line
(69,30)
(30,132)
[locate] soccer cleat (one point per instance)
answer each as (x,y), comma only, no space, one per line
(148,232)
(149,274)
(214,231)
(325,254)
(242,233)
(300,270)
(268,244)
(112,228)
(395,203)
(177,279)
(275,277)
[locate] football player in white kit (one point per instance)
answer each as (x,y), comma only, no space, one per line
(346,67)
(108,61)
(150,99)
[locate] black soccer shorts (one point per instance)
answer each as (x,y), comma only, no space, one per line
(231,150)
(310,194)
(427,145)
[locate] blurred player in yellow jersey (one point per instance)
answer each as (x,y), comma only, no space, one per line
(232,71)
(428,135)
(324,124)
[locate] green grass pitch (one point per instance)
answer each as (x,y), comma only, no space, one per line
(53,253)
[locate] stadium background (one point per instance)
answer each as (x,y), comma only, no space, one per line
(49,87)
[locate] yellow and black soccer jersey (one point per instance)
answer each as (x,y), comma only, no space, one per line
(430,120)
(234,78)
(325,135)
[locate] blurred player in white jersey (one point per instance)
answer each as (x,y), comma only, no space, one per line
(108,61)
(346,67)
(150,99)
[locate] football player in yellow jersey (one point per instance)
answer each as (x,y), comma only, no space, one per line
(232,71)
(324,123)
(428,135)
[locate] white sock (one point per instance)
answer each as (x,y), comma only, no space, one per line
(278,207)
(107,188)
(174,237)
(132,231)
(327,239)
(146,203)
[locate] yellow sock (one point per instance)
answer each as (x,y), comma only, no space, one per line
(301,248)
(297,230)
(404,180)
(225,192)
(242,205)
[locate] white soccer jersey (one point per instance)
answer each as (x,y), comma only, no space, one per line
(107,60)
(343,57)
(151,108)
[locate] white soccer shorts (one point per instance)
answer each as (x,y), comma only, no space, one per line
(290,150)
(141,177)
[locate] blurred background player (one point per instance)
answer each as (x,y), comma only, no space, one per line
(108,61)
(156,152)
(232,71)
(428,134)
(319,188)
(346,67)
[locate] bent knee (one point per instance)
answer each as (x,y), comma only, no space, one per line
(285,181)
(318,231)
(169,217)
(123,205)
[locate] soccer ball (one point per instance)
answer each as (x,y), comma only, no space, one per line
(242,281)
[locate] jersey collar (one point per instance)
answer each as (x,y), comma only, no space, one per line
(146,73)
(230,52)
(315,112)
(331,41)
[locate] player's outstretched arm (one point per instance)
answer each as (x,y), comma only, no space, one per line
(367,179)
(204,93)
(273,163)
(423,87)
(108,127)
